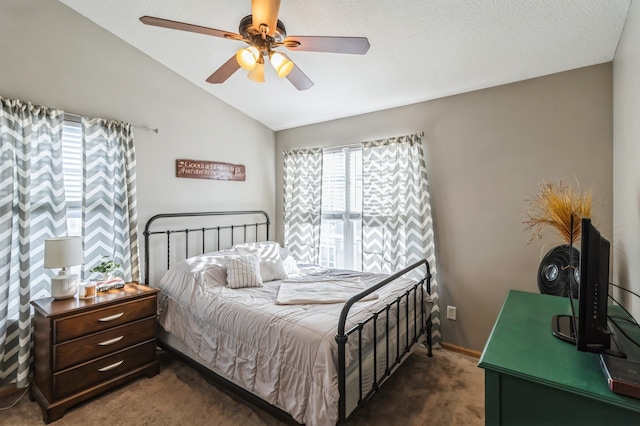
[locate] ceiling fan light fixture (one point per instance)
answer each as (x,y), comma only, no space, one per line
(281,63)
(248,57)
(257,73)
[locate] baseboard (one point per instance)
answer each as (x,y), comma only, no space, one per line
(461,350)
(9,389)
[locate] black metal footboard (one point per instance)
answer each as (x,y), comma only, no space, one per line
(418,317)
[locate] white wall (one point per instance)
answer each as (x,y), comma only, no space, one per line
(53,56)
(626,159)
(487,153)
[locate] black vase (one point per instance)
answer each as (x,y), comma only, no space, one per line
(559,271)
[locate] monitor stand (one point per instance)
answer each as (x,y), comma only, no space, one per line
(562,328)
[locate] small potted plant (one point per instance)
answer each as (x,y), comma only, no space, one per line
(106,268)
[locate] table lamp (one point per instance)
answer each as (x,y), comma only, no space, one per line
(63,252)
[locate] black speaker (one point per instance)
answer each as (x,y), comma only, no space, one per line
(559,271)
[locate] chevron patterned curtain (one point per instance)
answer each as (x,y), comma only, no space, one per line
(32,209)
(302,201)
(397,228)
(109,207)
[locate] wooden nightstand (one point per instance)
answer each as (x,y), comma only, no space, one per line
(82,347)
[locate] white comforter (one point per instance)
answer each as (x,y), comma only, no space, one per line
(320,290)
(284,354)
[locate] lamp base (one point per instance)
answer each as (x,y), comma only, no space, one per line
(64,285)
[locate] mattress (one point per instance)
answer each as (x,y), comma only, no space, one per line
(284,354)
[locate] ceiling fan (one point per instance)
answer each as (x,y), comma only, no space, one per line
(264,33)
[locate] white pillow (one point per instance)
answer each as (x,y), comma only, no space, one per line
(243,272)
(271,265)
(214,267)
(216,275)
(290,264)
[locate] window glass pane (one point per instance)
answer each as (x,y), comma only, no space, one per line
(332,243)
(355,181)
(72,170)
(356,249)
(341,226)
(333,182)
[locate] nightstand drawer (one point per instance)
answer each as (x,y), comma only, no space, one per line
(95,345)
(101,319)
(98,372)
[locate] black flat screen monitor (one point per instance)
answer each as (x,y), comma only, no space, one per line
(588,329)
(593,334)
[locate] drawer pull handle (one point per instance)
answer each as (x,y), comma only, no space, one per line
(110,342)
(111,318)
(110,367)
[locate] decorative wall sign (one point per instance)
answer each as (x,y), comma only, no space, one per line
(198,169)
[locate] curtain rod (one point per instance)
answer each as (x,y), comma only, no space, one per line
(71,114)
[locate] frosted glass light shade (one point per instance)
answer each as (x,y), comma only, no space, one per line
(257,74)
(281,63)
(62,252)
(248,57)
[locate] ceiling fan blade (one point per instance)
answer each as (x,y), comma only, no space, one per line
(355,45)
(224,72)
(175,25)
(299,79)
(265,12)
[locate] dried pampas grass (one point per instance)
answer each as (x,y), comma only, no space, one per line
(553,206)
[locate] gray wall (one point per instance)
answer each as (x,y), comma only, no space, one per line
(487,153)
(626,159)
(53,56)
(488,150)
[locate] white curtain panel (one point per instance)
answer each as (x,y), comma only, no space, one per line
(109,206)
(397,227)
(32,209)
(302,202)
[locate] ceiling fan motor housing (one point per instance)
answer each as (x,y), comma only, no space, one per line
(266,42)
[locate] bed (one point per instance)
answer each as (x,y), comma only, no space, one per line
(308,344)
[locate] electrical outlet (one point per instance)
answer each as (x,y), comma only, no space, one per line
(451,312)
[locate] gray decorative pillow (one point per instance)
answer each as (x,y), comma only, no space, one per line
(243,272)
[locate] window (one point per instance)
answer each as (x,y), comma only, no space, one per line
(106,149)
(341,222)
(72,170)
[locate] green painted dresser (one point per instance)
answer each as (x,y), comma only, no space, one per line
(533,378)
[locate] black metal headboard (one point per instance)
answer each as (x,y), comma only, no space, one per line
(228,232)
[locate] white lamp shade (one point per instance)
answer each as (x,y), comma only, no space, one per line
(63,252)
(281,63)
(257,74)
(248,57)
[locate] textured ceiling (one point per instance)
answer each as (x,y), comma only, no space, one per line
(420,49)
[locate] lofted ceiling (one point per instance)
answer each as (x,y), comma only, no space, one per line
(420,49)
